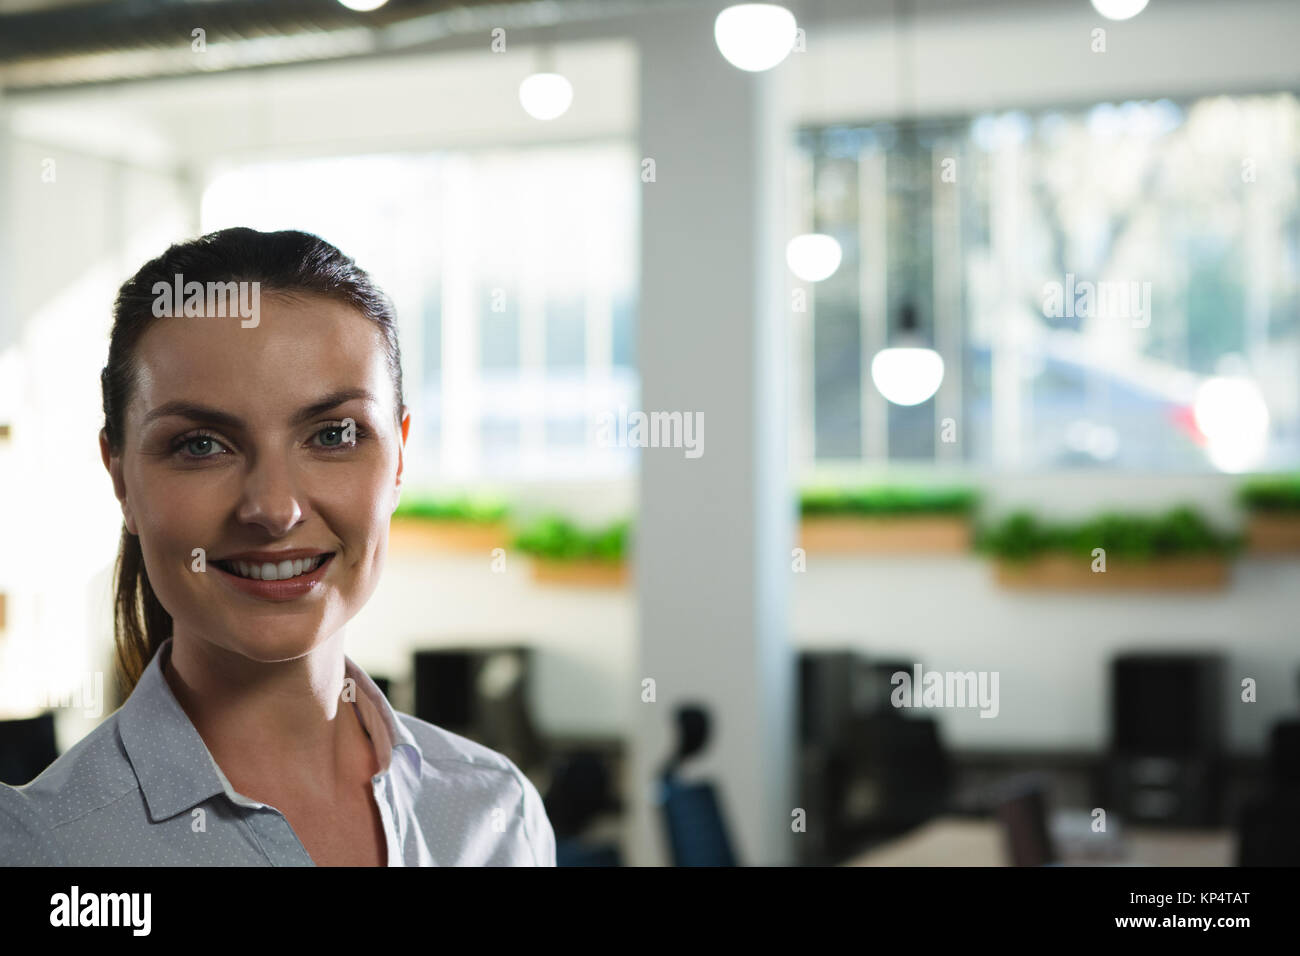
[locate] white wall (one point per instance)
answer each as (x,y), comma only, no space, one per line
(1051,649)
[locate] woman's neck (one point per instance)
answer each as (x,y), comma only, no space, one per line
(271,727)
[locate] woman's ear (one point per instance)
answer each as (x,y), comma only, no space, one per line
(401,449)
(113,464)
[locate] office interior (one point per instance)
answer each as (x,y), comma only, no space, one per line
(881,452)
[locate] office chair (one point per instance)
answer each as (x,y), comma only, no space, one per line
(481,693)
(1022,810)
(580,853)
(1165,762)
(1284,754)
(697,832)
(916,772)
(579,792)
(26,748)
(1268,832)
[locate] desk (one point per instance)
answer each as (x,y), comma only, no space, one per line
(958,841)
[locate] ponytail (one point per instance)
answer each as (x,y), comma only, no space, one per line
(140,622)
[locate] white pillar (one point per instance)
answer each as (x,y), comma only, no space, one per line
(714,533)
(10,321)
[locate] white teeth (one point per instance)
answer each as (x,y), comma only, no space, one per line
(270,571)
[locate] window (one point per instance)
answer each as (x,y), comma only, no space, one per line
(1110,287)
(513,275)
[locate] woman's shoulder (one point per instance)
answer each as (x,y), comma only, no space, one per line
(91,773)
(24,838)
(454,754)
(490,776)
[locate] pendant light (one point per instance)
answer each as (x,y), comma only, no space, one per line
(1119,9)
(546,94)
(909,372)
(754,36)
(813,256)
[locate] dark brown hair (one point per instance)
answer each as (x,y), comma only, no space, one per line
(284,262)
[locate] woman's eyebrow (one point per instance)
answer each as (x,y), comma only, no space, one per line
(198,412)
(202,413)
(332,400)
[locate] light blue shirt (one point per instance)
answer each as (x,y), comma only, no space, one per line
(142,789)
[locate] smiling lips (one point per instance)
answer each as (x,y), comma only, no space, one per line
(271,570)
(276,576)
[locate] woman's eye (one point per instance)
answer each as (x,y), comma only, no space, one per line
(339,436)
(199,446)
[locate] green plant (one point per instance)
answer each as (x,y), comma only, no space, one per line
(886,500)
(471,509)
(1181,531)
(558,539)
(1272,493)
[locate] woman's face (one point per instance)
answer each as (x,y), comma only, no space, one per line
(237,441)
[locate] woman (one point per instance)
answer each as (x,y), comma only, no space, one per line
(254,429)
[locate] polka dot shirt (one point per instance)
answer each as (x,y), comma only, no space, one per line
(142,789)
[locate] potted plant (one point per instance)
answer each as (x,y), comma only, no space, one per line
(886,519)
(565,554)
(1176,550)
(460,524)
(1273,506)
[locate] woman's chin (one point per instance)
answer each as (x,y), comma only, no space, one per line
(273,646)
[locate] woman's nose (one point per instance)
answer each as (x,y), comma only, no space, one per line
(270,498)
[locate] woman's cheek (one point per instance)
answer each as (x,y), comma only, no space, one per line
(172,526)
(360,501)
(362,524)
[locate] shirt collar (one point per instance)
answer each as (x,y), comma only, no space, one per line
(174,766)
(387,733)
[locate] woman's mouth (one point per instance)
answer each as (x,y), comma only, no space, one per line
(271,570)
(281,580)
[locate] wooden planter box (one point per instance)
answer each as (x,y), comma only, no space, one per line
(1069,573)
(920,534)
(580,574)
(1274,533)
(464,537)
